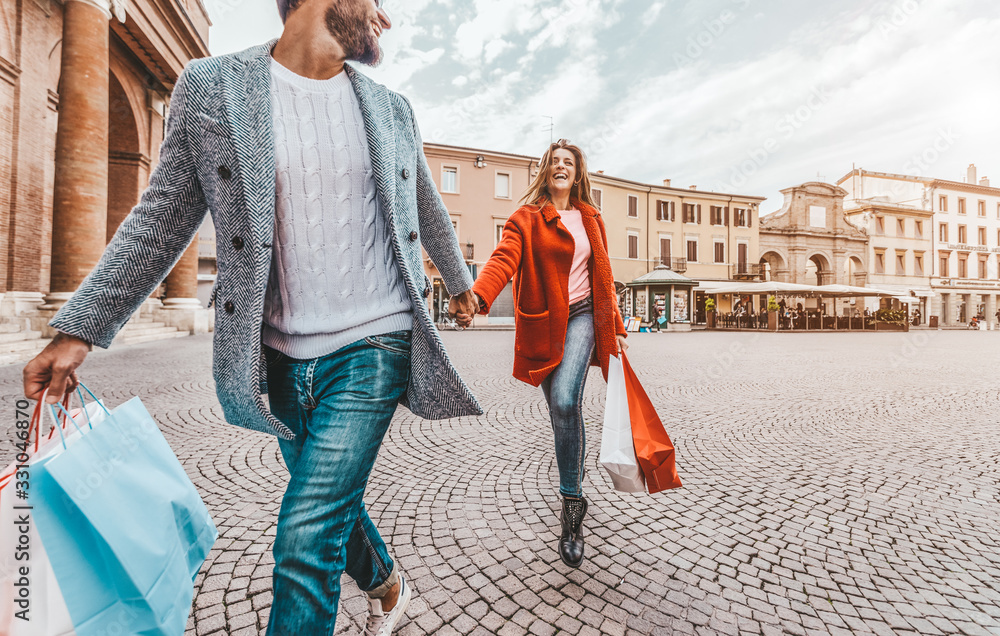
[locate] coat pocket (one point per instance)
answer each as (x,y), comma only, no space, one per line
(532,335)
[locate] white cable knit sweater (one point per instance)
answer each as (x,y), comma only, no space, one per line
(334,277)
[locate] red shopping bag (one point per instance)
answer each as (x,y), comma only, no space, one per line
(653,447)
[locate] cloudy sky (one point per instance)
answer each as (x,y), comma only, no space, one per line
(748,96)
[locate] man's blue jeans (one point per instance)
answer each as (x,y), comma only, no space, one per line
(563,391)
(339,407)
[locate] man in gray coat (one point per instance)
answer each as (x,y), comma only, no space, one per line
(321,199)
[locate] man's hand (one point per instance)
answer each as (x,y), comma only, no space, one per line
(55,368)
(463,307)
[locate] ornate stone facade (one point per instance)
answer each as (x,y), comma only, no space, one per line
(84,88)
(810,241)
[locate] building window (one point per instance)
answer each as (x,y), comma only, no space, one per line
(597,194)
(633,206)
(740,217)
(665,211)
(692,251)
(998,210)
(879,226)
(963,266)
(918,227)
(982,236)
(943,265)
(665,251)
(942,203)
(981,208)
(720,252)
(983,261)
(879,262)
(961,205)
(943,232)
(498,233)
(715,215)
(449,179)
(918,264)
(900,227)
(454,224)
(633,246)
(962,235)
(502,189)
(900,263)
(690,213)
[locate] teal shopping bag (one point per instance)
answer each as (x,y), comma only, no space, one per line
(125,530)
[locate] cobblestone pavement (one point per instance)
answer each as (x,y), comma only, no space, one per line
(833,484)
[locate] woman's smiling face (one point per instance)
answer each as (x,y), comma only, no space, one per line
(562,172)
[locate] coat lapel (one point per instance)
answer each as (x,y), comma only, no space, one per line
(247,94)
(377,114)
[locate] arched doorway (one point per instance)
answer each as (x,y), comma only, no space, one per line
(773,267)
(818,271)
(854,272)
(127,167)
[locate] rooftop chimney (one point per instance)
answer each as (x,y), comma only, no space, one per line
(971,174)
(666,183)
(694,187)
(985,181)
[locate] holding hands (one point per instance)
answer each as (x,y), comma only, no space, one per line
(463,307)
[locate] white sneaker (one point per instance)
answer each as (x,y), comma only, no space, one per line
(382,624)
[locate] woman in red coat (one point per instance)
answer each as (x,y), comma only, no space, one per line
(566,310)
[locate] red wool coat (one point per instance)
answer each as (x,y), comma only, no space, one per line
(537,251)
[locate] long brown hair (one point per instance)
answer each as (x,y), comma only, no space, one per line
(538,191)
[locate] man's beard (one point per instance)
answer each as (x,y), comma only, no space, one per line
(353,31)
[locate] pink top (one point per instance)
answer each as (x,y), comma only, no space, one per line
(579,276)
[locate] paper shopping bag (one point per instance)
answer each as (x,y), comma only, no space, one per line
(124,528)
(653,448)
(617,450)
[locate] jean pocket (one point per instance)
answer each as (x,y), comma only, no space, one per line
(397,342)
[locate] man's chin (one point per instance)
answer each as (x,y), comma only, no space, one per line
(369,58)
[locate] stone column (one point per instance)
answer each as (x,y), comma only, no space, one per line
(181,307)
(182,282)
(80,194)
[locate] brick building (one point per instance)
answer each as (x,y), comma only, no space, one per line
(84,91)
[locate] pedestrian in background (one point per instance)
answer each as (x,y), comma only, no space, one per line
(288,147)
(555,248)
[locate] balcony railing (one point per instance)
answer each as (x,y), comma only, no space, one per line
(746,270)
(678,265)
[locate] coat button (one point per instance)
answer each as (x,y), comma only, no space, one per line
(225,173)
(413,235)
(406,173)
(229,307)
(237,243)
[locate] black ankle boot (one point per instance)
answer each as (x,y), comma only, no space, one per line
(571,541)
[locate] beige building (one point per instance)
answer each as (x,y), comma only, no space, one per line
(899,256)
(706,236)
(960,237)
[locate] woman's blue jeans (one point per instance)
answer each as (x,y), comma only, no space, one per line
(563,391)
(339,406)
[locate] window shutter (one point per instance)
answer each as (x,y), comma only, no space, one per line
(727,216)
(699,214)
(673,211)
(750,218)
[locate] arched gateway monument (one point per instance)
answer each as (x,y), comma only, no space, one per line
(810,241)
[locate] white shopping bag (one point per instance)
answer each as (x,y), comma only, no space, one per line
(33,603)
(617,450)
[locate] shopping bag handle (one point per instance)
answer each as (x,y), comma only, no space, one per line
(91,393)
(66,416)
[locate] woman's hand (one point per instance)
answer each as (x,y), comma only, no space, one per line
(622,345)
(463,307)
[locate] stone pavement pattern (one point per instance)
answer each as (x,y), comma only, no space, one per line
(834,484)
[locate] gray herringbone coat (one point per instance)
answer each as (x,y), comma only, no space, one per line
(218,155)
